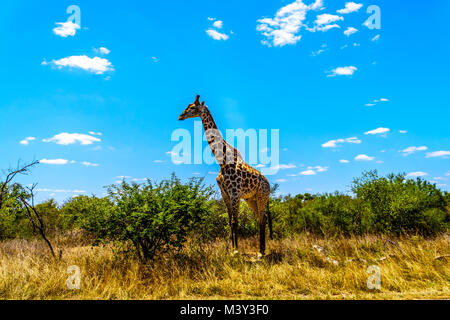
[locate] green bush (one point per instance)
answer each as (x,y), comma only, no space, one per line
(154,217)
(13,222)
(400,206)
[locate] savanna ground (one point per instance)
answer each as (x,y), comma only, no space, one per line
(295,268)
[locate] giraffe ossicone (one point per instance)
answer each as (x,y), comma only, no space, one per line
(237,180)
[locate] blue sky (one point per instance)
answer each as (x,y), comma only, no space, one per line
(101,101)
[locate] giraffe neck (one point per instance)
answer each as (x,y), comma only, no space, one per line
(215,139)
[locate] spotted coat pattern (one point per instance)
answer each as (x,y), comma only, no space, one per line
(237,180)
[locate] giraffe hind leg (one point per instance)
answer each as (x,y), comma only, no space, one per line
(261,204)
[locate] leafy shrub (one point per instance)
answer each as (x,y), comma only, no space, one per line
(154,217)
(397,205)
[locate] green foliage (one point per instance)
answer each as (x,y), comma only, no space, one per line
(13,222)
(397,205)
(86,212)
(153,217)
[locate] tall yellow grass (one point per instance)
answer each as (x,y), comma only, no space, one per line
(411,268)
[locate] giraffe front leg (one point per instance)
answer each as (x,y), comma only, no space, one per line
(261,203)
(235,201)
(227,200)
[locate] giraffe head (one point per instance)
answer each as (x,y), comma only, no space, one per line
(193,110)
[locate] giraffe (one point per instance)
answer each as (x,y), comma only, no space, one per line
(237,180)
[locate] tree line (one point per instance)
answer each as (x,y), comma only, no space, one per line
(153,217)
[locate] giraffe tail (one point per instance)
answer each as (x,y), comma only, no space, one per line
(269,219)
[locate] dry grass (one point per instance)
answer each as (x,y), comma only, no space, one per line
(293,269)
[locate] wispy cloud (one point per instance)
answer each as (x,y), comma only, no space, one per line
(102,50)
(284,166)
(350,31)
(216,35)
(27,140)
(218,24)
(416,174)
(364,157)
(308,173)
(343,71)
(284,28)
(95,65)
(89,164)
(60,190)
(378,131)
(72,138)
(335,143)
(327,19)
(54,161)
(311,171)
(435,154)
(344,161)
(374,102)
(377,37)
(65,29)
(412,149)
(350,7)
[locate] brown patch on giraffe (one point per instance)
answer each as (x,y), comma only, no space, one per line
(237,180)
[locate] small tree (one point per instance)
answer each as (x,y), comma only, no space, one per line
(155,218)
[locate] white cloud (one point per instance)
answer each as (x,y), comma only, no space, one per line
(413,149)
(402,131)
(284,28)
(374,102)
(60,190)
(95,65)
(216,35)
(308,173)
(350,7)
(284,166)
(218,24)
(378,131)
(318,168)
(54,161)
(344,161)
(27,140)
(316,53)
(327,27)
(155,59)
(158,161)
(327,19)
(448,173)
(281,180)
(66,29)
(377,37)
(211,19)
(364,157)
(435,154)
(416,174)
(343,71)
(350,31)
(103,50)
(334,143)
(71,138)
(89,164)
